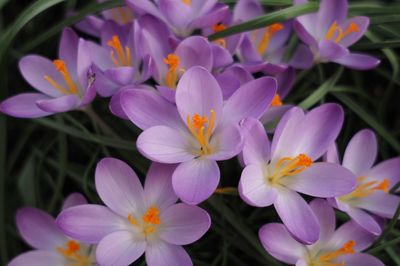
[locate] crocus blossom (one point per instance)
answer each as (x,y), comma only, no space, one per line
(52,247)
(371,195)
(329,33)
(64,84)
(275,173)
(200,130)
(136,220)
(334,248)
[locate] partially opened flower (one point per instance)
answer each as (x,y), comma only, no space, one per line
(275,174)
(136,220)
(64,84)
(371,195)
(51,246)
(200,130)
(334,248)
(329,33)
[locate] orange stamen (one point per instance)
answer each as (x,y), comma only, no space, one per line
(288,166)
(150,221)
(71,252)
(171,78)
(152,216)
(63,70)
(187,2)
(217,28)
(346,249)
(269,32)
(334,29)
(201,132)
(121,15)
(123,55)
(276,101)
(365,189)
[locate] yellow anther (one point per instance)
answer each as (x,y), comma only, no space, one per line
(63,70)
(335,30)
(71,251)
(152,216)
(217,28)
(346,249)
(365,189)
(149,222)
(122,15)
(187,2)
(171,78)
(269,32)
(288,166)
(123,54)
(276,101)
(202,133)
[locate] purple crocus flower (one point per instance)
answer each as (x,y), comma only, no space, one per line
(64,84)
(329,33)
(136,220)
(371,195)
(51,246)
(182,16)
(334,248)
(274,174)
(200,130)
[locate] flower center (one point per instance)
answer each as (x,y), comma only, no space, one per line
(288,166)
(123,55)
(337,33)
(330,258)
(71,252)
(171,78)
(150,220)
(366,189)
(187,2)
(217,28)
(63,70)
(202,132)
(269,32)
(276,101)
(121,15)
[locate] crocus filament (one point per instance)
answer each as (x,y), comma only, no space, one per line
(327,259)
(150,220)
(171,78)
(71,252)
(187,2)
(337,33)
(366,189)
(288,166)
(269,32)
(63,70)
(276,101)
(123,55)
(202,132)
(121,15)
(217,28)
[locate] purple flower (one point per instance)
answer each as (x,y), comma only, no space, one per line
(200,130)
(136,220)
(371,195)
(334,248)
(64,84)
(275,173)
(182,16)
(329,33)
(51,246)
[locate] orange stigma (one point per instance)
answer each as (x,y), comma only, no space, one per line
(121,15)
(276,101)
(123,55)
(217,28)
(202,133)
(288,166)
(337,33)
(150,220)
(63,70)
(171,78)
(269,32)
(187,2)
(327,258)
(72,252)
(365,189)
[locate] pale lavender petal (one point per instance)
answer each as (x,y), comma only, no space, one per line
(256,149)
(330,50)
(198,93)
(297,216)
(247,51)
(119,249)
(38,258)
(195,51)
(250,100)
(326,217)
(361,259)
(365,220)
(146,108)
(322,180)
(39,229)
(389,169)
(104,86)
(84,62)
(168,94)
(332,155)
(303,34)
(254,188)
(302,57)
(361,152)
(67,50)
(227,142)
(177,13)
(120,75)
(362,23)
(160,253)
(89,223)
(329,12)
(60,104)
(158,189)
(358,61)
(218,13)
(276,239)
(221,56)
(74,199)
(196,180)
(24,105)
(274,114)
(143,7)
(115,105)
(118,186)
(246,10)
(379,203)
(165,145)
(101,57)
(184,224)
(351,231)
(232,78)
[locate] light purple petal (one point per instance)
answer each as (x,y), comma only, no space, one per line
(246,10)
(302,57)
(39,229)
(358,61)
(304,34)
(143,7)
(67,50)
(158,186)
(89,223)
(322,180)
(332,155)
(329,12)
(256,149)
(184,224)
(297,216)
(254,188)
(59,105)
(329,50)
(163,254)
(351,231)
(120,75)
(389,169)
(84,63)
(198,93)
(119,249)
(24,105)
(115,105)
(221,56)
(195,51)
(379,203)
(274,113)
(361,259)
(177,13)
(74,199)
(218,13)
(365,220)
(280,244)
(118,186)
(196,180)
(326,217)
(250,100)
(38,258)
(362,23)
(361,152)
(227,142)
(165,145)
